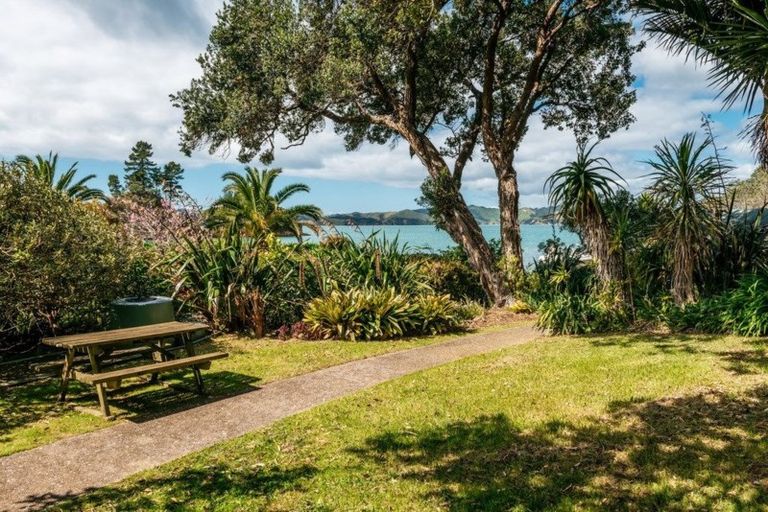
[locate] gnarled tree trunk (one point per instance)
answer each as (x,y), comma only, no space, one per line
(459,222)
(509,203)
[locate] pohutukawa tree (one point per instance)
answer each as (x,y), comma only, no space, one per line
(380,71)
(567,62)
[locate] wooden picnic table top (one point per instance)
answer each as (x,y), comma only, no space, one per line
(115,336)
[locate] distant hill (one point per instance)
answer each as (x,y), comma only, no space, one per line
(420,216)
(752,192)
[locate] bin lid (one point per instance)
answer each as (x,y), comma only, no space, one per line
(141,301)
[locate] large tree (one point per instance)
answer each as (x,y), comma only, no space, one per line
(567,62)
(141,174)
(382,71)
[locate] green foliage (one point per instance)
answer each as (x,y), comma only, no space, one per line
(375,262)
(168,180)
(141,172)
(742,311)
(452,275)
(61,262)
(438,195)
(229,279)
(250,205)
(578,192)
(565,313)
(686,183)
(144,276)
(726,35)
(563,289)
(377,314)
(437,314)
(44,170)
(561,270)
(388,71)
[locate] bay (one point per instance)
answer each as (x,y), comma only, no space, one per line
(426,238)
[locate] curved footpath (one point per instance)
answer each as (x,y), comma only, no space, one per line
(42,476)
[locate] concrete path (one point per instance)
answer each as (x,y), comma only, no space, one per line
(33,479)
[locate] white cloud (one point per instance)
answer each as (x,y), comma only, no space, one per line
(88,78)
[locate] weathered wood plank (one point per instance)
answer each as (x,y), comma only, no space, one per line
(124,335)
(124,373)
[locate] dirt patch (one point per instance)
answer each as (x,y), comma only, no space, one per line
(496,317)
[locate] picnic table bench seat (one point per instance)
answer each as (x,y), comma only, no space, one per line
(202,361)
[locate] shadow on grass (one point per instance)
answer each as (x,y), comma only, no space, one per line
(666,343)
(138,401)
(183,487)
(143,402)
(700,452)
(747,362)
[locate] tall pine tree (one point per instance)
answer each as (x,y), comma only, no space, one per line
(141,173)
(115,187)
(168,180)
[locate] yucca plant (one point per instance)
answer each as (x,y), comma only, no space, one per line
(577,192)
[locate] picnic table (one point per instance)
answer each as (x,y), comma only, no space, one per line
(145,340)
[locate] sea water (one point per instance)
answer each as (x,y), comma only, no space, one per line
(427,238)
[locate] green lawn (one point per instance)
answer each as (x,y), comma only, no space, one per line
(31,417)
(616,423)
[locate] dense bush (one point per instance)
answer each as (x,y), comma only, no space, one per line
(375,262)
(61,262)
(742,311)
(375,314)
(563,288)
(230,279)
(449,273)
(583,314)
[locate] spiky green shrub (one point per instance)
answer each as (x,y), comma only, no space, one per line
(367,314)
(746,307)
(742,311)
(565,313)
(229,279)
(437,314)
(377,314)
(373,263)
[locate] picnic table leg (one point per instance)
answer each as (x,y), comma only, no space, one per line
(157,357)
(190,348)
(66,373)
(100,388)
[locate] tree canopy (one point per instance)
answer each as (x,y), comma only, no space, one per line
(429,72)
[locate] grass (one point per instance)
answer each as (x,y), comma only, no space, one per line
(590,423)
(32,417)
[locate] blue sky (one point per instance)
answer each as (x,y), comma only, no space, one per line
(87,78)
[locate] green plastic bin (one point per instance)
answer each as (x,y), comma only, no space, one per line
(136,311)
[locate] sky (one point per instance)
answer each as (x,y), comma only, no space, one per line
(88,78)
